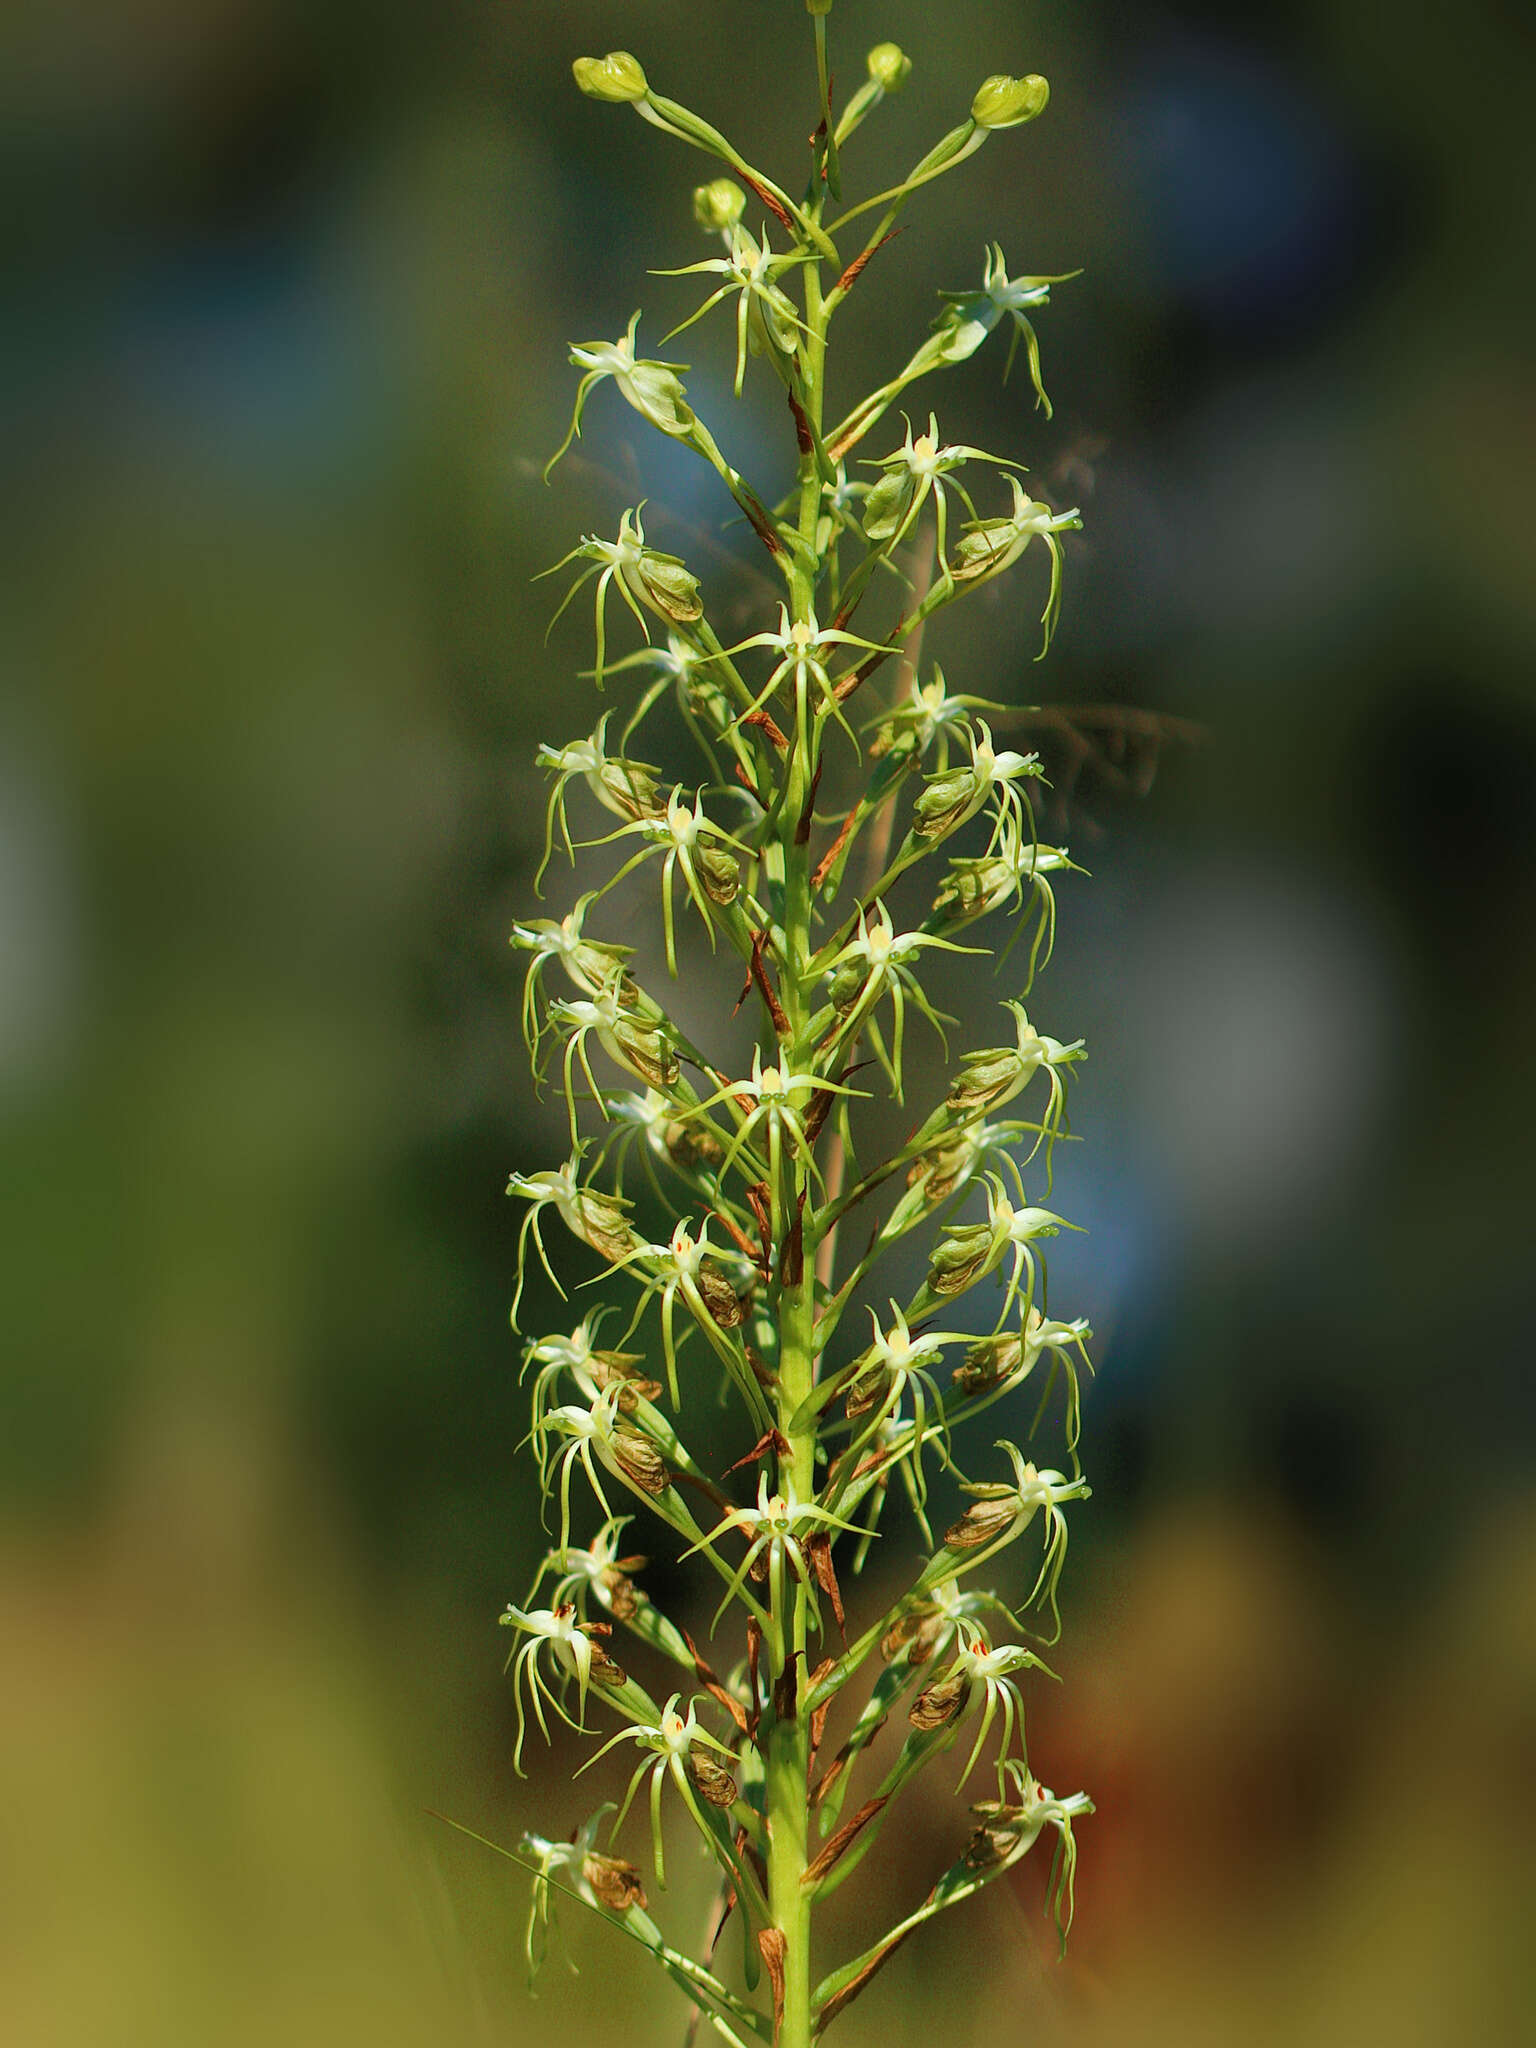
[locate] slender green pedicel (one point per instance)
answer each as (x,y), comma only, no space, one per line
(752,1732)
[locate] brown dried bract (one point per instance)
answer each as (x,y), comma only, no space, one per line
(713,1687)
(865,1391)
(842,1841)
(997,1835)
(710,1778)
(727,1308)
(818,1548)
(604,1670)
(981,1522)
(773,1948)
(916,1632)
(640,1461)
(622,1597)
(940,1703)
(616,1883)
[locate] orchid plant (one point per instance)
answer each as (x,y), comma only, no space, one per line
(834,1385)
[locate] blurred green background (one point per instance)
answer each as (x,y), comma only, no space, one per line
(289,290)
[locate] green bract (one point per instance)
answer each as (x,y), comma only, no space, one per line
(816,754)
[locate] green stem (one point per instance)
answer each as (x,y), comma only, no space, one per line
(788,1743)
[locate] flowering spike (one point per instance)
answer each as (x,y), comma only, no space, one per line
(711,1167)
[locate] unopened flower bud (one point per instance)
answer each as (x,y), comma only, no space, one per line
(616,77)
(1003,102)
(616,1883)
(818,6)
(719,204)
(889,66)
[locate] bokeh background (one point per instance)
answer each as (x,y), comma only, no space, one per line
(288,291)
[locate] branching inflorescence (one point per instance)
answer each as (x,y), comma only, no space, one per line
(834,1383)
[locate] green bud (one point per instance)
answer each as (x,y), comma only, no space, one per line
(818,6)
(1004,102)
(719,204)
(616,77)
(889,66)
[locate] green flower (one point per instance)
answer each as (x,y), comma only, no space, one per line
(659,582)
(652,388)
(969,317)
(989,546)
(765,313)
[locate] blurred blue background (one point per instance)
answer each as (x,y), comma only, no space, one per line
(288,297)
